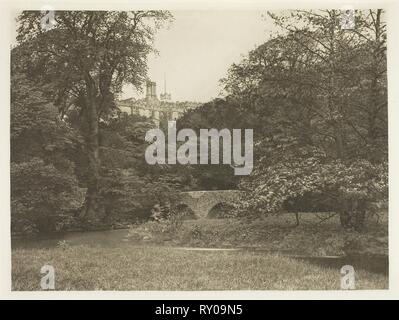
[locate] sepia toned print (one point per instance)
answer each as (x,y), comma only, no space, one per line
(199,150)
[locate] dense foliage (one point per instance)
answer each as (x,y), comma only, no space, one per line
(315,95)
(44,188)
(218,114)
(320,95)
(49,167)
(71,150)
(87,57)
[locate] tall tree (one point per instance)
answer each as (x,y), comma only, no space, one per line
(88,56)
(321,92)
(347,73)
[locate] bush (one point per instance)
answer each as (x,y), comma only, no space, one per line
(127,196)
(306,178)
(43,198)
(159,229)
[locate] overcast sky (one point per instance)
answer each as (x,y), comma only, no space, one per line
(198,48)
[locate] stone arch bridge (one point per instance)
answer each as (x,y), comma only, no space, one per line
(202,202)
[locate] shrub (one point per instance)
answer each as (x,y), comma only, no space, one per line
(42,197)
(159,229)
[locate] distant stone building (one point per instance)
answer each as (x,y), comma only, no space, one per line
(159,110)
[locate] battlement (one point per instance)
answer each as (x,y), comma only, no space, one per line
(157,109)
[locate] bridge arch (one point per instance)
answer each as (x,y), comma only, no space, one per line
(201,202)
(185,211)
(220,210)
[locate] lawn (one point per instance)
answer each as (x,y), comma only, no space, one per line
(146,259)
(132,267)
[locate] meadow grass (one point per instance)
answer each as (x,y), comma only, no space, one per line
(133,267)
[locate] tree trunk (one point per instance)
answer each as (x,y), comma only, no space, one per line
(92,147)
(352,214)
(375,75)
(345,219)
(359,219)
(46,224)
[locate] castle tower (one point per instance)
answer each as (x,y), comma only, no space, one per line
(151,90)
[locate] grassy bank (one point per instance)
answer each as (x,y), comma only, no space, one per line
(162,268)
(148,257)
(313,236)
